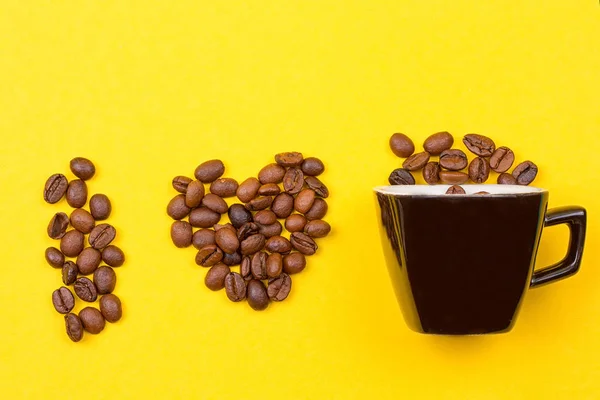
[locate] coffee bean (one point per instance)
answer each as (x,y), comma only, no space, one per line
(479,170)
(270,189)
(215,203)
(502,159)
(194,194)
(82,168)
(227,240)
(58,225)
(291,159)
(257,295)
(453,159)
(318,210)
(506,179)
(209,256)
(69,272)
(82,220)
(181,233)
(274,265)
(177,208)
(72,243)
(74,327)
(293,180)
(259,203)
(401,176)
(204,218)
(279,288)
(453,177)
(270,230)
(100,207)
(88,260)
(247,230)
(246,268)
(283,205)
(238,215)
(294,263)
(85,289)
(55,188)
(259,265)
(105,279)
(110,307)
(401,145)
(438,142)
(479,145)
(431,173)
(455,189)
(317,228)
(304,200)
(54,257)
(63,300)
(215,278)
(224,187)
(101,236)
(303,243)
(482,192)
(235,287)
(416,161)
(248,190)
(318,186)
(253,244)
(209,171)
(203,237)
(232,259)
(180,183)
(113,256)
(272,173)
(228,226)
(525,172)
(278,244)
(77,193)
(265,217)
(295,223)
(92,320)
(312,166)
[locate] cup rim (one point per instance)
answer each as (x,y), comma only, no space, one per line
(495,190)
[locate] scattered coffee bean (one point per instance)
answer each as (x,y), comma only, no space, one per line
(317,228)
(312,166)
(58,225)
(92,320)
(283,205)
(113,256)
(231,259)
(253,244)
(105,279)
(55,188)
(272,173)
(194,194)
(259,203)
(180,183)
(63,300)
(525,172)
(88,260)
(269,189)
(479,170)
(401,145)
(202,238)
(274,265)
(215,278)
(318,186)
(290,159)
(110,307)
(278,244)
(438,142)
(177,208)
(506,179)
(265,217)
(453,159)
(71,243)
(209,256)
(77,193)
(416,161)
(239,215)
(502,159)
(304,200)
(247,230)
(295,223)
(74,327)
(209,171)
(269,231)
(85,289)
(318,210)
(431,173)
(227,240)
(453,177)
(257,295)
(293,180)
(279,288)
(101,236)
(294,263)
(82,168)
(69,273)
(54,257)
(100,207)
(224,187)
(248,190)
(401,176)
(82,220)
(259,265)
(215,203)
(204,218)
(479,145)
(246,268)
(455,189)
(235,287)
(181,234)
(303,243)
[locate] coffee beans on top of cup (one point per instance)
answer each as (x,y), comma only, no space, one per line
(402,145)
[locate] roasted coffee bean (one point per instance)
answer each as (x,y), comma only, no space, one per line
(265,217)
(74,327)
(253,244)
(63,300)
(232,259)
(438,142)
(416,161)
(248,190)
(181,234)
(105,279)
(215,278)
(453,159)
(101,236)
(278,244)
(257,296)
(259,265)
(401,176)
(55,188)
(303,243)
(203,237)
(272,173)
(215,203)
(318,186)
(194,194)
(274,265)
(224,187)
(259,203)
(69,273)
(502,159)
(72,243)
(270,189)
(525,172)
(113,256)
(88,260)
(295,223)
(247,230)
(317,228)
(54,257)
(482,192)
(455,189)
(77,193)
(235,287)
(209,256)
(479,145)
(92,320)
(58,225)
(506,179)
(180,183)
(283,205)
(479,170)
(401,145)
(246,268)
(270,230)
(100,207)
(177,208)
(453,177)
(110,307)
(227,240)
(238,215)
(293,180)
(209,171)
(294,263)
(82,168)
(82,220)
(218,227)
(279,288)
(431,173)
(85,290)
(304,200)
(290,159)
(318,210)
(312,166)
(204,218)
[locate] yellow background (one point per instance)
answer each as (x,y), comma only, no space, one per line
(149,89)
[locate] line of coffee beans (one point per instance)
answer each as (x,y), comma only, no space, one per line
(287,190)
(87,260)
(453,167)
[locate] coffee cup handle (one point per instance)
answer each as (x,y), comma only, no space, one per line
(575,218)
